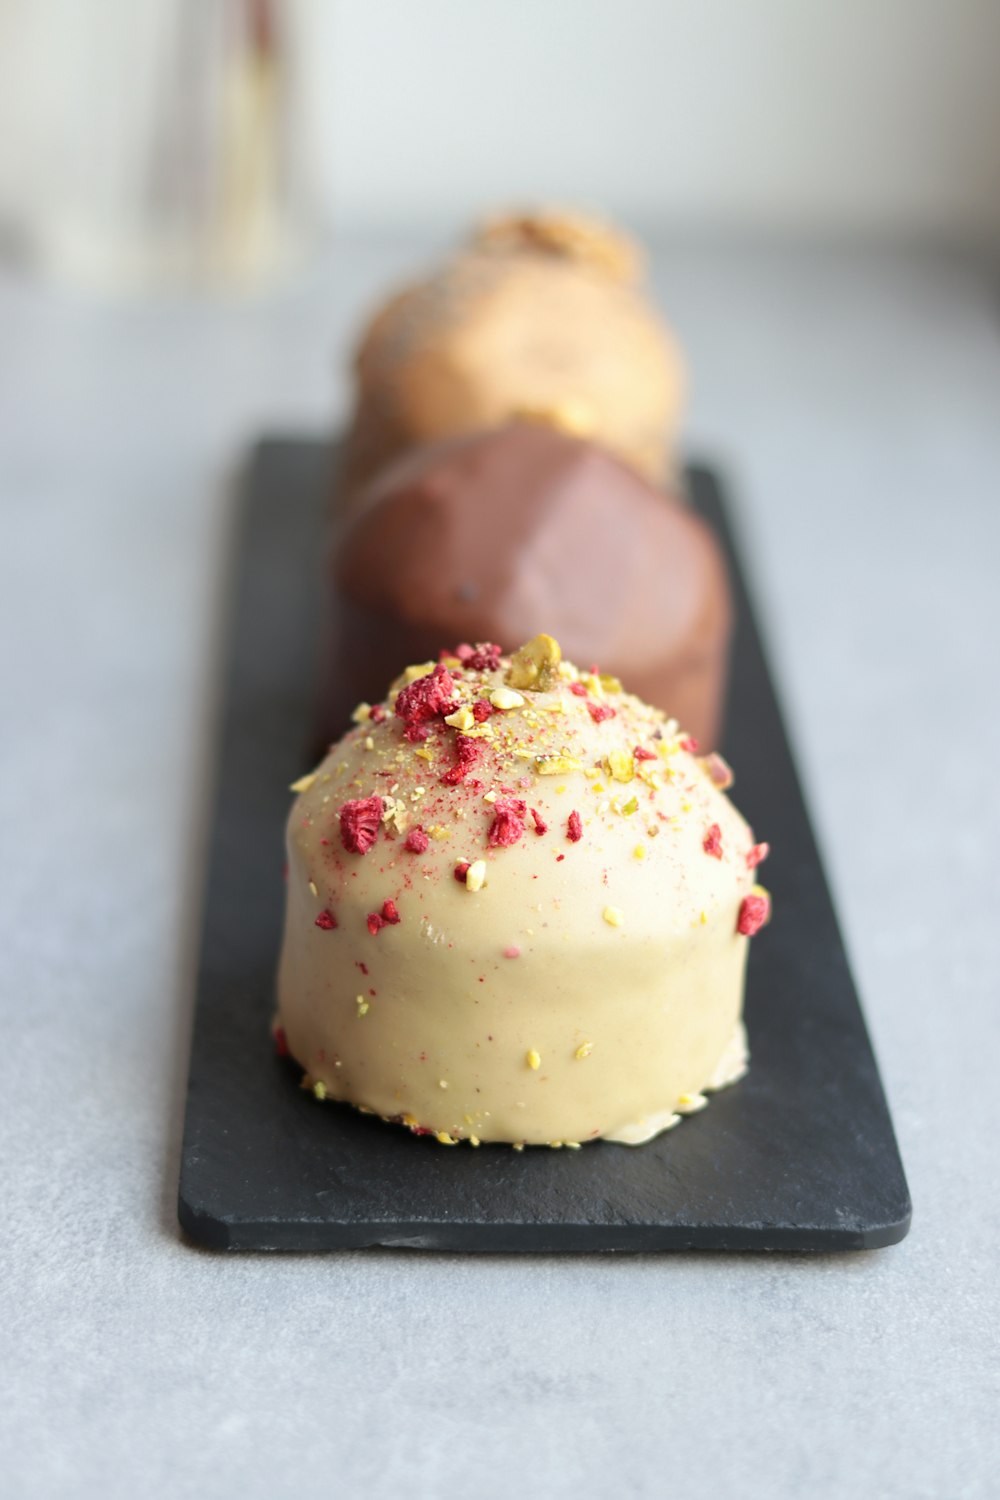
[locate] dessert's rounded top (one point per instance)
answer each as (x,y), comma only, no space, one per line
(518,905)
(538,313)
(498,533)
(564,233)
(491,798)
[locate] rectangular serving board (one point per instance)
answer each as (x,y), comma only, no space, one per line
(800,1155)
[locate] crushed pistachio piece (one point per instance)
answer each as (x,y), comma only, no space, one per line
(369,743)
(475,875)
(362,713)
(438,831)
(419,669)
(584,1050)
(473,1140)
(319,1089)
(534,664)
(312,888)
(631,806)
(445,1138)
(396,814)
(462,718)
(639,852)
(422,753)
(554,765)
(442,1083)
(614,916)
(533,1059)
(620,764)
(362,1005)
(304,782)
(505,698)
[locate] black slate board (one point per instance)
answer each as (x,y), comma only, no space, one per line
(798,1156)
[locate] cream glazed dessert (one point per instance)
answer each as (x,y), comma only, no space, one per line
(518,909)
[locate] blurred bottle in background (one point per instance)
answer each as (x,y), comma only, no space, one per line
(160,142)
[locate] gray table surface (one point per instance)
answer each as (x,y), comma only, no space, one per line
(854,399)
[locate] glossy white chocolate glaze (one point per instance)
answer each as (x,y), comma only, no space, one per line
(588,988)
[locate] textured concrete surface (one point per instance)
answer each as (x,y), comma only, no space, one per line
(855,400)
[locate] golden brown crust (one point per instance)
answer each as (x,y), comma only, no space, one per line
(504,329)
(572,236)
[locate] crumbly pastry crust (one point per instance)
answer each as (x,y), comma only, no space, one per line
(518,909)
(539,314)
(569,235)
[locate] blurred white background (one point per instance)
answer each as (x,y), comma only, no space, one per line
(856,116)
(178,138)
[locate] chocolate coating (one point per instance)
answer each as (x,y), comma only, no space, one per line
(498,535)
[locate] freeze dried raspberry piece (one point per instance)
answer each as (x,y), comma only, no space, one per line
(639,753)
(359,823)
(467,753)
(712,842)
(540,824)
(508,822)
(578,688)
(461,870)
(427,698)
(387,917)
(574,828)
(757,855)
(481,710)
(483,657)
(600,711)
(280,1041)
(689,743)
(416,841)
(755,912)
(326,920)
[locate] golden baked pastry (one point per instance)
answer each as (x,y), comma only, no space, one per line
(539,315)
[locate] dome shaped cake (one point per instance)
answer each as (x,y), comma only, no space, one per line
(518,909)
(539,313)
(496,535)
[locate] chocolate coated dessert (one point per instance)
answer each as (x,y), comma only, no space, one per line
(496,534)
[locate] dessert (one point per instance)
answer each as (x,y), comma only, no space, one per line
(518,909)
(495,535)
(539,313)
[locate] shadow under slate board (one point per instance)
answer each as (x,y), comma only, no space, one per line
(800,1155)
